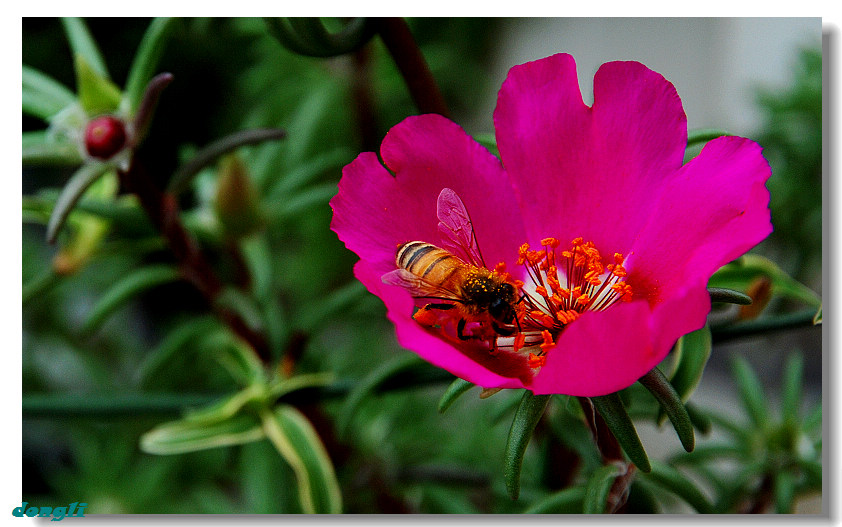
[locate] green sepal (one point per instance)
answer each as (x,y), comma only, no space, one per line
(370,384)
(145,62)
(567,501)
(83,44)
(97,94)
(670,479)
(671,403)
(598,488)
(612,409)
(740,273)
(456,388)
(178,437)
(72,192)
(729,296)
(294,438)
(127,288)
(527,415)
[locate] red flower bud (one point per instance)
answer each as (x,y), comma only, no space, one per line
(105,136)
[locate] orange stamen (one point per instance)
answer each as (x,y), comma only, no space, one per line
(520,339)
(548,341)
(536,361)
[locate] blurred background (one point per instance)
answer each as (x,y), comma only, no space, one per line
(758,78)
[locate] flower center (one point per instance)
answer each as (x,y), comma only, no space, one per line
(567,283)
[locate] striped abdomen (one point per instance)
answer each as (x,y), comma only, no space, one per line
(433,264)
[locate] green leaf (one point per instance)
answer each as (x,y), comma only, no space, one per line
(567,501)
(318,195)
(699,419)
(784,484)
(127,288)
(369,384)
(528,413)
(308,36)
(740,273)
(818,318)
(670,401)
(236,356)
(598,487)
(35,81)
(456,388)
(751,392)
(97,94)
(146,59)
(672,480)
(703,135)
(81,180)
(178,437)
(612,409)
(791,388)
(83,44)
(297,442)
(39,105)
(211,153)
(254,395)
(489,141)
(157,359)
(306,172)
(693,351)
(314,314)
(722,294)
(39,150)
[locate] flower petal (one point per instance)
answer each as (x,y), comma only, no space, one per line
(583,171)
(375,211)
(601,352)
(712,211)
(474,365)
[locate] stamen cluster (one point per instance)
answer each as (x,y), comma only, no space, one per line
(589,285)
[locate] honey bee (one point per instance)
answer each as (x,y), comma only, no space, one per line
(456,276)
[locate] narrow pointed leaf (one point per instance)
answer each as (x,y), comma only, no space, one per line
(730,296)
(39,150)
(83,44)
(598,487)
(671,403)
(307,172)
(97,94)
(792,388)
(316,313)
(612,409)
(148,103)
(784,484)
(81,180)
(39,105)
(178,437)
(318,195)
(694,351)
(670,479)
(236,356)
(528,413)
(751,392)
(294,438)
(127,288)
(174,342)
(567,501)
(369,385)
(740,274)
(703,135)
(38,82)
(211,153)
(146,60)
(699,419)
(456,388)
(818,318)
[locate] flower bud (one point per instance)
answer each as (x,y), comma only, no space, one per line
(237,203)
(105,136)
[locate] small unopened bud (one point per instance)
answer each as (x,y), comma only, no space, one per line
(237,203)
(105,136)
(760,292)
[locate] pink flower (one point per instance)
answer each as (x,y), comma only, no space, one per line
(621,238)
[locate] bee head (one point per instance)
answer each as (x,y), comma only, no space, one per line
(502,308)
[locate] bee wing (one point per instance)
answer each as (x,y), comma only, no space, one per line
(419,287)
(456,229)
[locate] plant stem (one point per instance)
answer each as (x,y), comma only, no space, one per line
(162,209)
(410,62)
(611,452)
(797,319)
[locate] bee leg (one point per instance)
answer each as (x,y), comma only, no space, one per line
(460,327)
